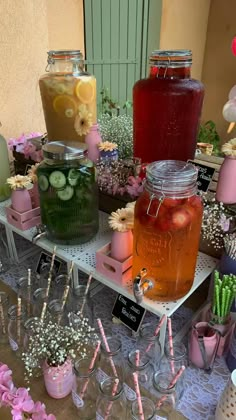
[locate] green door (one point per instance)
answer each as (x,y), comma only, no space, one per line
(119,35)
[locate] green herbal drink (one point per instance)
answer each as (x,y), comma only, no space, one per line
(68,197)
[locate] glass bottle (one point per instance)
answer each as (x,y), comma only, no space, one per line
(5,191)
(111,405)
(30,327)
(164,396)
(172,363)
(167,108)
(80,303)
(111,362)
(85,389)
(167,226)
(68,96)
(26,292)
(68,193)
(148,409)
(16,329)
(57,313)
(4,302)
(145,373)
(149,343)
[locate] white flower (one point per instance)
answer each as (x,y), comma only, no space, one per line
(122,220)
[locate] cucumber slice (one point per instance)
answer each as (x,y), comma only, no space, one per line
(66,194)
(43,183)
(57,180)
(73,176)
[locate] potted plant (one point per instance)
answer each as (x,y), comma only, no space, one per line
(54,347)
(26,150)
(208,140)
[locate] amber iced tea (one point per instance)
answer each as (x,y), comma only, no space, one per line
(167,244)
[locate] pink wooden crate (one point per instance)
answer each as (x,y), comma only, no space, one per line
(23,221)
(113,269)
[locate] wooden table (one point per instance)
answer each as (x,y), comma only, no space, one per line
(62,409)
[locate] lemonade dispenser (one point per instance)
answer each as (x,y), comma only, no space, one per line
(68,96)
(167,225)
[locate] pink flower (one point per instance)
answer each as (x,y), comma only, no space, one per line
(39,412)
(23,401)
(224,223)
(135,186)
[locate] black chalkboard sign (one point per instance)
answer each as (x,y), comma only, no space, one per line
(205,175)
(44,260)
(130,313)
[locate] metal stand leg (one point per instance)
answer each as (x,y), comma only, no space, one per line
(162,336)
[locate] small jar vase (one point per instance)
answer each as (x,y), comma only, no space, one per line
(58,379)
(209,340)
(121,245)
(21,200)
(92,139)
(226,186)
(108,155)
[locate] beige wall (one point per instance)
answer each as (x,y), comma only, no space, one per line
(219,70)
(184,26)
(28,29)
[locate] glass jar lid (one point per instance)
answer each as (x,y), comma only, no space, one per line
(64,55)
(172,177)
(171,58)
(58,150)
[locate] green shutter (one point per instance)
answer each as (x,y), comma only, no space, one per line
(118,38)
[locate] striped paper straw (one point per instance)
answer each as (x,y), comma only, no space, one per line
(171,345)
(113,393)
(52,260)
(70,272)
(48,285)
(137,358)
(100,326)
(28,291)
(18,320)
(137,390)
(85,293)
(157,330)
(171,385)
(43,311)
(91,366)
(2,318)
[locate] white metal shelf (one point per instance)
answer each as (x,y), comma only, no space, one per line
(84,257)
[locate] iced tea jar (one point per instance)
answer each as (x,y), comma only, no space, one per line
(68,96)
(167,227)
(167,107)
(68,193)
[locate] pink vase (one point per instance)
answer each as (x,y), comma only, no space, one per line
(92,139)
(121,245)
(210,343)
(58,380)
(21,200)
(226,186)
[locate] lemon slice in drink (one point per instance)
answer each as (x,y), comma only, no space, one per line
(85,91)
(64,105)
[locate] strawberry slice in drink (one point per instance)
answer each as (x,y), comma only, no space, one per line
(181,217)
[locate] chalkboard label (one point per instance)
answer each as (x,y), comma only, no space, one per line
(205,175)
(44,260)
(128,312)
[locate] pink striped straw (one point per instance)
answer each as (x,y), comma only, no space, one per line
(157,330)
(85,293)
(137,390)
(171,384)
(91,366)
(100,326)
(113,393)
(137,358)
(171,345)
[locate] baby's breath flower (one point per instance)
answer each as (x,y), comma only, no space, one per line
(118,130)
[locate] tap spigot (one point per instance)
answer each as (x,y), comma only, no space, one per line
(141,285)
(40,233)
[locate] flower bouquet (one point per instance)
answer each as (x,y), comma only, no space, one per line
(19,400)
(26,150)
(53,347)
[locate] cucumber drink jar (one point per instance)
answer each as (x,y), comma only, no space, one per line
(68,193)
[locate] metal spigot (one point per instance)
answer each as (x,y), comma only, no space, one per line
(141,285)
(40,233)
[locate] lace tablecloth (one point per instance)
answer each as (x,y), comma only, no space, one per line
(202,391)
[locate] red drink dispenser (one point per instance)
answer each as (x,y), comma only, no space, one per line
(167,108)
